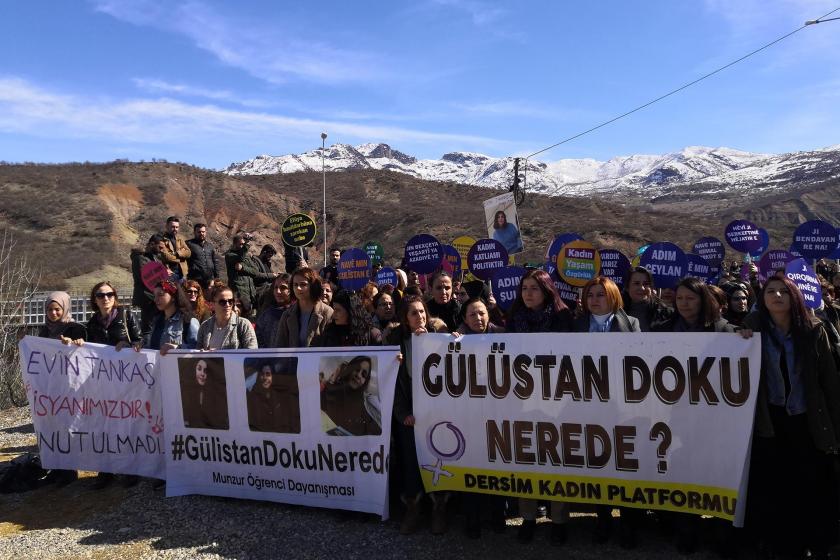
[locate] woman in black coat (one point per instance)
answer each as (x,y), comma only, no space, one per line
(539,309)
(796,437)
(111,324)
(59,325)
(640,299)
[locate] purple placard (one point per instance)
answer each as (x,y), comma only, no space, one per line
(505,285)
(354,269)
(806,280)
(772,261)
(666,262)
(710,249)
(743,236)
(815,239)
(385,276)
(614,265)
(698,267)
(715,275)
(557,244)
(836,253)
(453,257)
(745,272)
(568,294)
(423,254)
(486,257)
(765,243)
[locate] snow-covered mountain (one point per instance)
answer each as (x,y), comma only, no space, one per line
(713,169)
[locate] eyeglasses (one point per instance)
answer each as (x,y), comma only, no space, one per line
(225,302)
(739,298)
(385,304)
(191,291)
(103,295)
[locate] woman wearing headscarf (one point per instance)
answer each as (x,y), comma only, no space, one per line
(59,325)
(603,312)
(539,309)
(796,435)
(350,324)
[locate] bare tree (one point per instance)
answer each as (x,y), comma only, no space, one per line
(18,284)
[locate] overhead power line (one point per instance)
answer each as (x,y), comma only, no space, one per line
(689,84)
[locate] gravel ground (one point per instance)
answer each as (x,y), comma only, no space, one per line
(119,523)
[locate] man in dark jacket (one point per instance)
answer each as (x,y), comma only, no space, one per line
(202,261)
(242,272)
(142,297)
(296,257)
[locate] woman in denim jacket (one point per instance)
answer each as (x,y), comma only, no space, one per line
(174,325)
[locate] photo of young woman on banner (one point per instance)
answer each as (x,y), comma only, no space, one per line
(503,222)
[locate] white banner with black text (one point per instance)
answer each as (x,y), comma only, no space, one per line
(651,421)
(304,426)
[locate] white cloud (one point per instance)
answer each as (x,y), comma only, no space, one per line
(28,109)
(523,109)
(275,55)
(154,85)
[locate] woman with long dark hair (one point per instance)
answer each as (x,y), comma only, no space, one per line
(174,325)
(414,320)
(303,324)
(275,302)
(696,310)
(796,436)
(114,325)
(539,309)
(603,312)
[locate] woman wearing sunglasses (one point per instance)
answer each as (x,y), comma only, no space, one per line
(198,305)
(111,324)
(225,330)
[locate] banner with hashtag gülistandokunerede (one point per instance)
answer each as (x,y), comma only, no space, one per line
(303,426)
(652,421)
(94,408)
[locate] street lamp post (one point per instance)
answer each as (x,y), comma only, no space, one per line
(324,175)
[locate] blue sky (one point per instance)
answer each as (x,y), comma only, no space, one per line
(210,82)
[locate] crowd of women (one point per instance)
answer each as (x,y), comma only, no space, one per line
(793,498)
